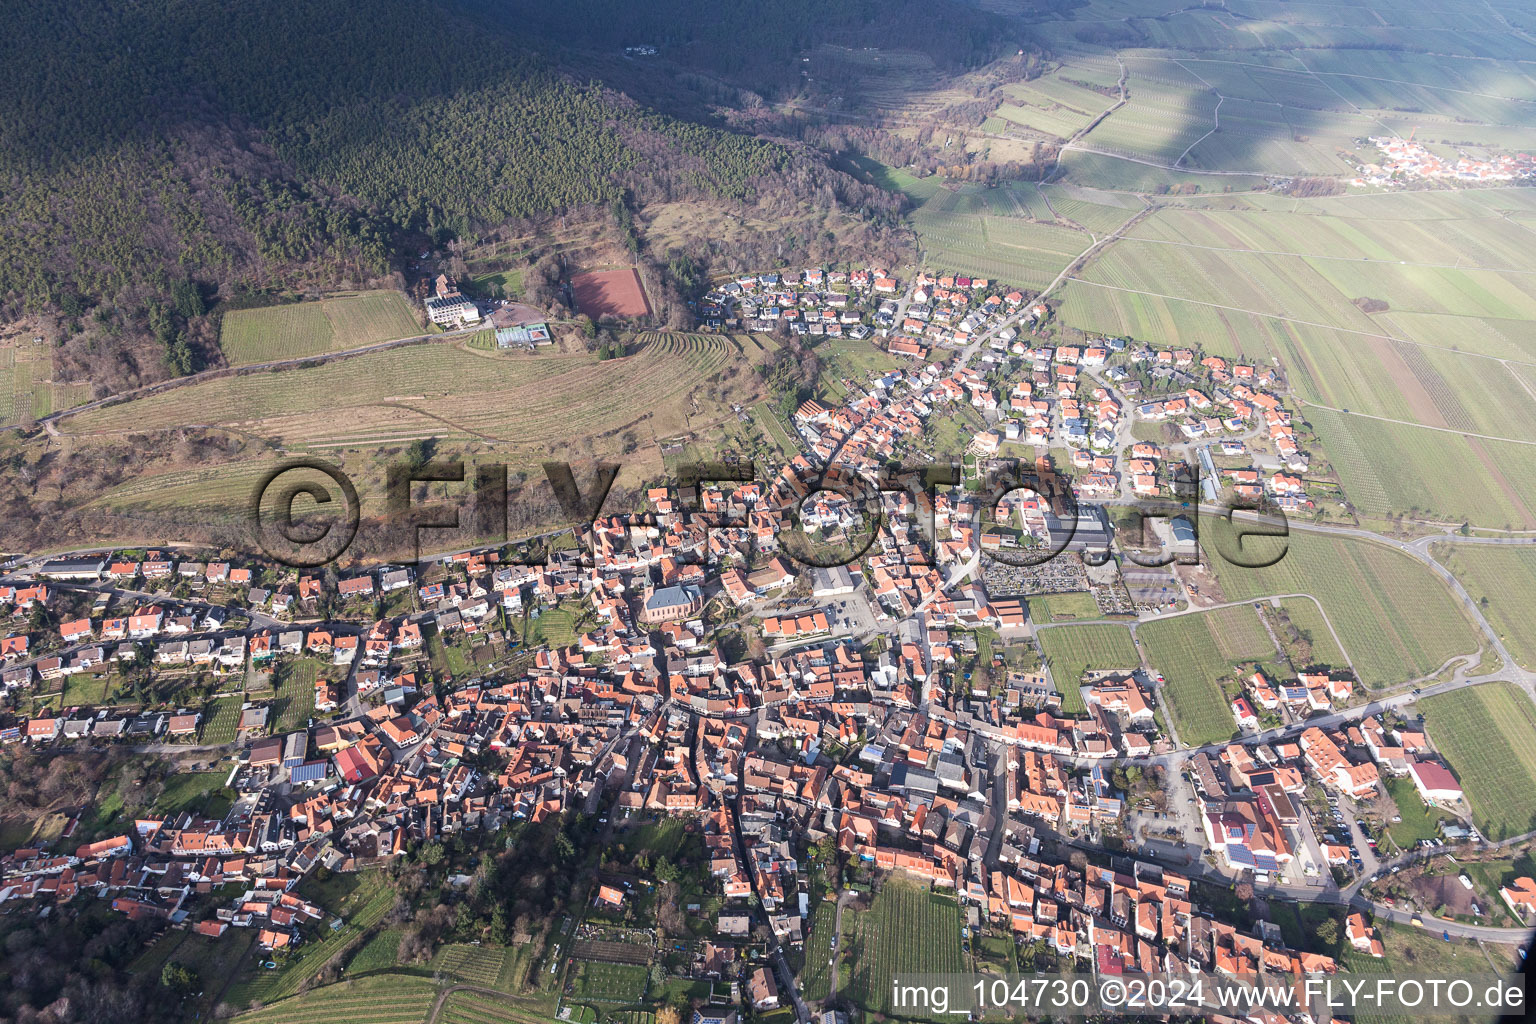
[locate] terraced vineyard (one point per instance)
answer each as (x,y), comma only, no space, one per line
(469,964)
(379,999)
(1061,103)
(1074,650)
(909,930)
(1195,653)
(1395,617)
(482,1008)
(539,402)
(1503,582)
(1488,735)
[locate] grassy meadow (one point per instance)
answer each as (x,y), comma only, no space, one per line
(299,329)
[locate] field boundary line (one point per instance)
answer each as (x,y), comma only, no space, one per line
(1075,148)
(1410,423)
(1335,74)
(1305,323)
(1342,259)
(50,421)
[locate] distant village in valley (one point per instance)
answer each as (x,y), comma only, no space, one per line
(1406,160)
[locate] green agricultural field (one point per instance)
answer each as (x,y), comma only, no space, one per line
(1391,467)
(892,179)
(1195,653)
(380,953)
(300,329)
(977,230)
(470,965)
(1393,615)
(378,999)
(1073,650)
(1503,582)
(1316,638)
(1488,736)
(1062,607)
(220,720)
(815,980)
(597,982)
(909,930)
(295,696)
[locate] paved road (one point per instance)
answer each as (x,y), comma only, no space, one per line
(837,954)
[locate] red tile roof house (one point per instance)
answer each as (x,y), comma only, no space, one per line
(762,991)
(1520,896)
(183,725)
(1434,782)
(75,629)
(357,586)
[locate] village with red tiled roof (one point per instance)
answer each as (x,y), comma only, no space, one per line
(691,666)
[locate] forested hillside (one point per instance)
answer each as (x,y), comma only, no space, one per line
(160,155)
(758,43)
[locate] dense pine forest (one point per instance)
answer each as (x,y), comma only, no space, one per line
(160,156)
